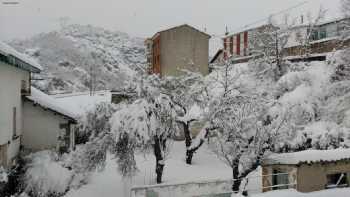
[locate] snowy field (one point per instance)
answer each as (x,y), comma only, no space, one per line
(206,167)
(109,183)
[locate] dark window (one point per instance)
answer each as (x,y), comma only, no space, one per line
(280,180)
(337,180)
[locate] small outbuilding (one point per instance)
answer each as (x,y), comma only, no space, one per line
(47,124)
(307,171)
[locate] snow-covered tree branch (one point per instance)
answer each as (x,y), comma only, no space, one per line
(146,124)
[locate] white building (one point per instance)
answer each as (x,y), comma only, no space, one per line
(47,125)
(15,75)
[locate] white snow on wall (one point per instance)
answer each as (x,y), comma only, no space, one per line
(188,189)
(308,156)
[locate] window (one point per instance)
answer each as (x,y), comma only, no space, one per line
(14,121)
(322,33)
(313,34)
(280,180)
(337,180)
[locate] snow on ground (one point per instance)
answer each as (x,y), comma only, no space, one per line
(82,101)
(293,193)
(206,167)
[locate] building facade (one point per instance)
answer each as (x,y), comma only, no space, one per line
(15,75)
(181,47)
(307,171)
(239,45)
(324,38)
(47,125)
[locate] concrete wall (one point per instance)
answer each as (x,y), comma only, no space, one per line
(10,97)
(191,189)
(184,47)
(314,177)
(41,128)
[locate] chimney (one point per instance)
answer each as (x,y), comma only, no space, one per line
(226,33)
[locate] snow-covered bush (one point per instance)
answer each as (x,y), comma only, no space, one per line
(88,157)
(45,176)
(325,135)
(94,122)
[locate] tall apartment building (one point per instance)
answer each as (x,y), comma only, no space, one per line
(181,47)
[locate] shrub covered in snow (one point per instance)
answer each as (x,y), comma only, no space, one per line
(90,156)
(94,122)
(45,175)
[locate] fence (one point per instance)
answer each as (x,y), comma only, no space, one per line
(214,188)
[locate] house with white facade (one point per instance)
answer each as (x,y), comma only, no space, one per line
(47,125)
(15,76)
(324,38)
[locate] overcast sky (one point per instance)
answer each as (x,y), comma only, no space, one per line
(144,17)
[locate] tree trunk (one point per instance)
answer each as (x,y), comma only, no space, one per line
(236,179)
(159,158)
(188,142)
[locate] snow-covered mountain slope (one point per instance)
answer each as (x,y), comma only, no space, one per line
(77,56)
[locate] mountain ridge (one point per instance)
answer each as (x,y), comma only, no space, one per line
(79,57)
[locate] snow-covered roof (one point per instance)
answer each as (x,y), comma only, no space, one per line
(308,157)
(50,103)
(175,27)
(25,62)
(249,28)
